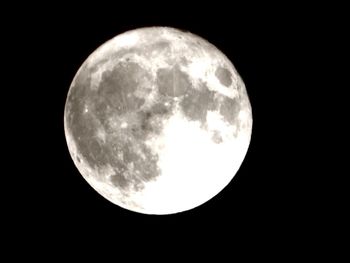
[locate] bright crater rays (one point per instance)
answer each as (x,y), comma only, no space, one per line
(157,120)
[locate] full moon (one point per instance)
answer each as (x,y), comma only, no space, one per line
(157,120)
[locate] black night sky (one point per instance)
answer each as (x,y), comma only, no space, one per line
(270,49)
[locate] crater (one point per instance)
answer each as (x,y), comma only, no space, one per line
(224,76)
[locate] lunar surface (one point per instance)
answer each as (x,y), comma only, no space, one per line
(157,120)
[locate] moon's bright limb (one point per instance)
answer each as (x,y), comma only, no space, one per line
(157,120)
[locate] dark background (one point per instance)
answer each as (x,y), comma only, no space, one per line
(276,49)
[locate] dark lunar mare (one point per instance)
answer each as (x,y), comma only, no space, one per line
(124,150)
(196,103)
(172,81)
(224,76)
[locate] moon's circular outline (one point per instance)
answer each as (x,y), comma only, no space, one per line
(129,39)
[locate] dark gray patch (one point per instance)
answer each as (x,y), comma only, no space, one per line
(239,88)
(159,109)
(132,153)
(83,125)
(117,87)
(224,76)
(149,121)
(78,159)
(89,146)
(217,137)
(229,108)
(119,180)
(139,102)
(196,104)
(148,167)
(129,154)
(140,129)
(160,46)
(146,125)
(99,154)
(184,61)
(95,148)
(83,128)
(101,110)
(138,185)
(77,95)
(172,81)
(137,132)
(114,97)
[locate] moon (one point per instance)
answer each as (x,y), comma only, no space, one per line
(157,120)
